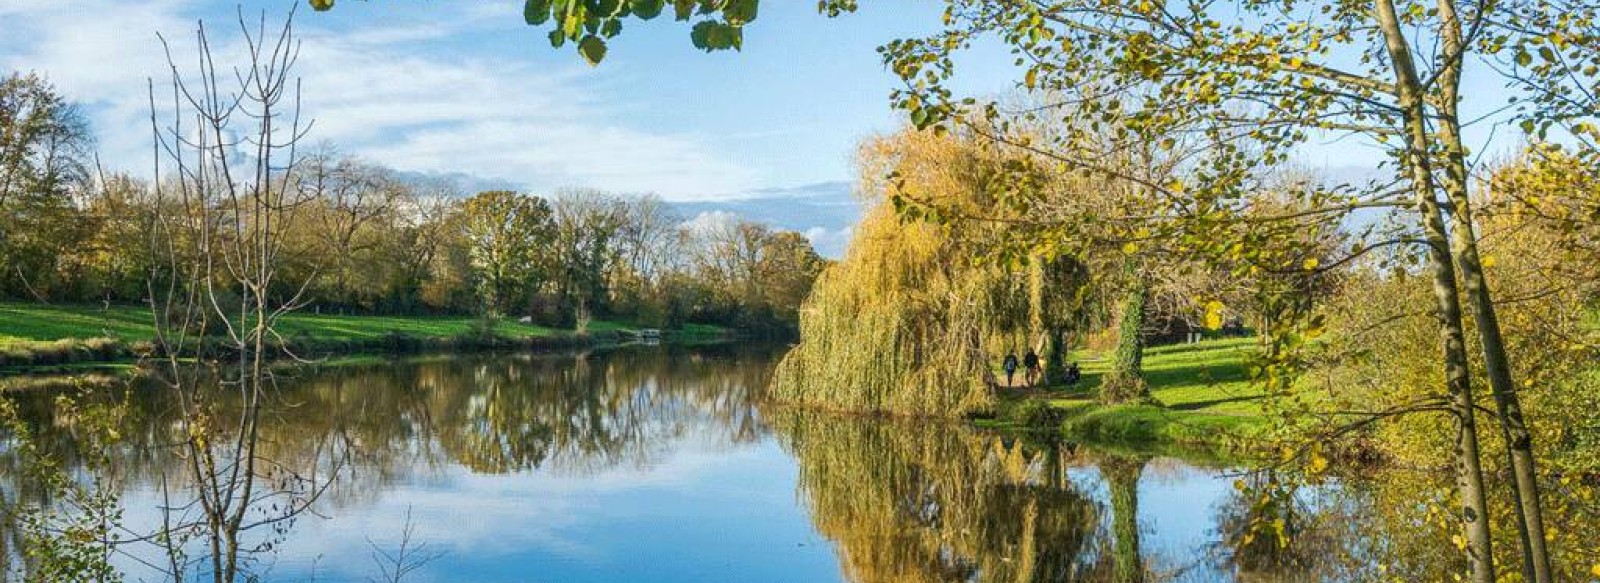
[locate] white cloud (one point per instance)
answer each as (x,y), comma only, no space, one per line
(830,242)
(388,93)
(711,222)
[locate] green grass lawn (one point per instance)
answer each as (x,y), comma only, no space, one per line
(35,322)
(38,322)
(358,328)
(1204,377)
(1203,391)
(34,334)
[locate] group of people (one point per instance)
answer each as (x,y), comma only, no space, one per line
(1033,370)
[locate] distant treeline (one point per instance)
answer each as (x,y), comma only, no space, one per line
(368,239)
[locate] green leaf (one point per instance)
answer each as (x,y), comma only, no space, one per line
(682,9)
(710,35)
(717,36)
(557,39)
(607,7)
(321,5)
(536,12)
(698,34)
(919,118)
(593,49)
(739,12)
(647,9)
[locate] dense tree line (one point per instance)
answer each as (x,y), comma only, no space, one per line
(363,238)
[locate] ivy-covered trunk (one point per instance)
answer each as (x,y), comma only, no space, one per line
(1055,364)
(1125,383)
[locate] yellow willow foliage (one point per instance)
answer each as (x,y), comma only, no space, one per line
(908,322)
(926,502)
(892,328)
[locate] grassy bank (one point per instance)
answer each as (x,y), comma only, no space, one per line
(1204,396)
(35,336)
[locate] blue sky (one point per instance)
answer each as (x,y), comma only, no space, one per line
(465,87)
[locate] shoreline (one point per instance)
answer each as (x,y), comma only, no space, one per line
(107,372)
(46,339)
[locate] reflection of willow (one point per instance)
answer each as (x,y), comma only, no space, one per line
(939,503)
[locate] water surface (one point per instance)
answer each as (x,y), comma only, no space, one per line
(661,464)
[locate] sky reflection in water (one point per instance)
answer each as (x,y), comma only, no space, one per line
(660,464)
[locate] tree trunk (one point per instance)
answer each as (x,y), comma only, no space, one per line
(1469,471)
(1464,247)
(1055,364)
(1125,383)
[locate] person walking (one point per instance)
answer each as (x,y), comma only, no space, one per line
(1030,362)
(1010,365)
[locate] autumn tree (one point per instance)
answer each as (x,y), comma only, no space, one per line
(1274,75)
(588,225)
(353,208)
(44,162)
(506,233)
(787,268)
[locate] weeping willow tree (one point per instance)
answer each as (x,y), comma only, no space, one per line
(911,503)
(917,312)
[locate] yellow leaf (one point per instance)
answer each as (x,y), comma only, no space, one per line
(1130,248)
(1488,261)
(1213,317)
(1319,463)
(1311,264)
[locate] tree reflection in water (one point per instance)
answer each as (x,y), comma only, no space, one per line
(367,427)
(933,502)
(901,501)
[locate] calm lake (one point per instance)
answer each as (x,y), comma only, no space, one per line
(662,464)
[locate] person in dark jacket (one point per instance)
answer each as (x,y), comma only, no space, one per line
(1074,374)
(1010,364)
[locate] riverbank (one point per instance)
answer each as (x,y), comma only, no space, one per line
(1204,401)
(66,338)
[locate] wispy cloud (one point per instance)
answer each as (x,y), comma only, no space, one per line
(389,93)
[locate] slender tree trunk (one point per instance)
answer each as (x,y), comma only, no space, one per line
(1464,247)
(1125,382)
(1469,471)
